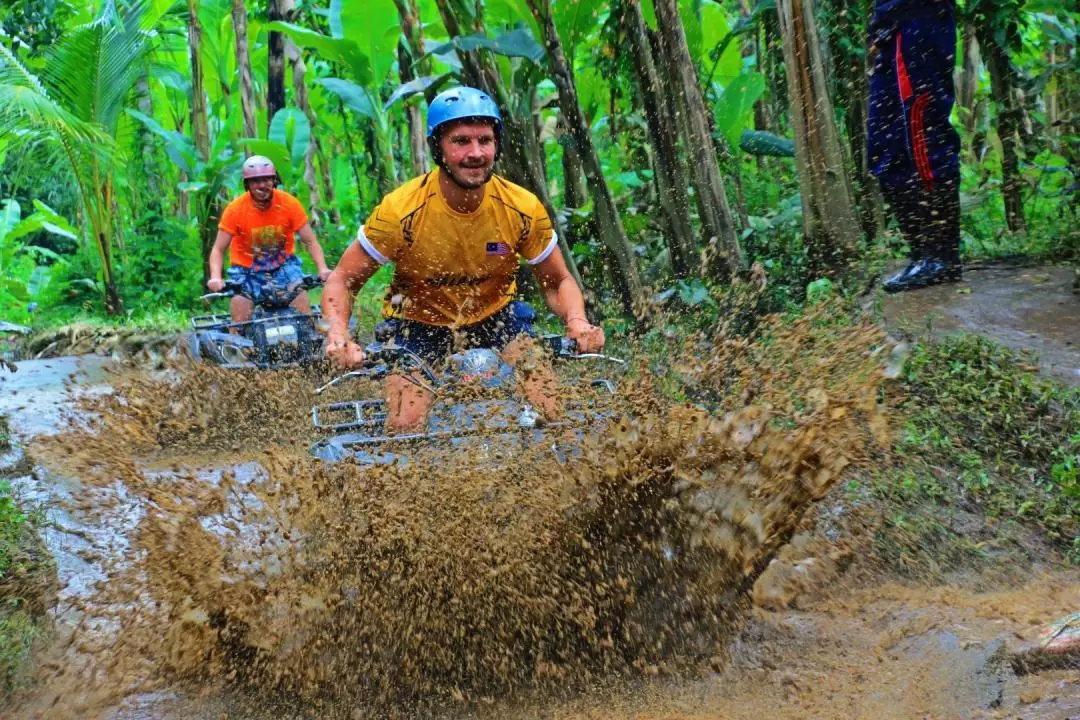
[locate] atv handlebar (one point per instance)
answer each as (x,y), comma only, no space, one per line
(234,288)
(565,348)
(382,360)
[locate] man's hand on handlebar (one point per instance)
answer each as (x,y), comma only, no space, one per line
(589,338)
(324,274)
(215,285)
(342,350)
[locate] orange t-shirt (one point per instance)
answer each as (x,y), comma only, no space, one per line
(262,239)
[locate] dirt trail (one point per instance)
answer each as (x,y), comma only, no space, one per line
(1025,308)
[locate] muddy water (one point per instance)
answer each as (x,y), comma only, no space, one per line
(226,574)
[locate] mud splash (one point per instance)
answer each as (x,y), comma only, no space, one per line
(404,587)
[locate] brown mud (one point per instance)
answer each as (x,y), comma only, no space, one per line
(223,573)
(1022,307)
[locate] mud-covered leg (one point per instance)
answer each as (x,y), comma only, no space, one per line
(537,380)
(407,404)
(302,303)
(240,308)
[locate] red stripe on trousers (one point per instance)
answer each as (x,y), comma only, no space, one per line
(903,81)
(918,139)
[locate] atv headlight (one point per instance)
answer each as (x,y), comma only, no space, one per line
(281,335)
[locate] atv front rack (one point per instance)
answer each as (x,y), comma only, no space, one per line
(369,417)
(217,321)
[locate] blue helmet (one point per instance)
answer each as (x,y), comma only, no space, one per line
(460,103)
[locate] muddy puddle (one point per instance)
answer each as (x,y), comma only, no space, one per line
(212,568)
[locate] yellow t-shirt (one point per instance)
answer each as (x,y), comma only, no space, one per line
(450,268)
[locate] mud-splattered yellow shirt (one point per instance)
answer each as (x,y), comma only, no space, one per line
(452,268)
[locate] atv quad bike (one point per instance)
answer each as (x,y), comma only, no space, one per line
(276,336)
(490,419)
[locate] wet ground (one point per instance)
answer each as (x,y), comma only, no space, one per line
(866,648)
(1025,308)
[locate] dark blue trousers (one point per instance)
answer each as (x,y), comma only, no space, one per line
(913,149)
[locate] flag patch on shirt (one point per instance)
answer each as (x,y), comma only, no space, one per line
(498,248)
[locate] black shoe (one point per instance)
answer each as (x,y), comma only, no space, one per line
(923,273)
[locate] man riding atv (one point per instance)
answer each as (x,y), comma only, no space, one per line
(455,236)
(259,228)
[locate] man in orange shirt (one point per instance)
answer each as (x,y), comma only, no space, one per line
(259,230)
(456,236)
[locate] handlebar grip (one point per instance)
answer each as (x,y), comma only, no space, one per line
(558,345)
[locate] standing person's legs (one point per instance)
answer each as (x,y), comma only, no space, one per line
(944,233)
(929,220)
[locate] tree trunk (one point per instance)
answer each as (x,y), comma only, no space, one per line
(1003,84)
(726,257)
(670,173)
(418,150)
(408,51)
(200,128)
(1053,112)
(275,74)
(243,69)
(146,139)
(969,76)
(627,280)
(830,226)
(346,120)
(521,151)
(851,71)
(300,93)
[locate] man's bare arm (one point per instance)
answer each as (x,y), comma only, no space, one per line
(217,260)
(307,236)
(563,296)
(353,270)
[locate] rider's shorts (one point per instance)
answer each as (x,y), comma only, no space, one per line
(253,281)
(434,343)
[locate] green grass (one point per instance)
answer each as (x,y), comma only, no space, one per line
(21,573)
(983,436)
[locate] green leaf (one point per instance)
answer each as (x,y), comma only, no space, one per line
(691,20)
(419,86)
(761,142)
(179,148)
(356,97)
(53,218)
(716,28)
(735,104)
(193,186)
(517,43)
(290,127)
(337,29)
(339,50)
(693,292)
(376,29)
(629,179)
(16,289)
(42,253)
(575,21)
(649,12)
(10,217)
(508,13)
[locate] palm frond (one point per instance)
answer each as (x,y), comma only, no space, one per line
(25,110)
(93,68)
